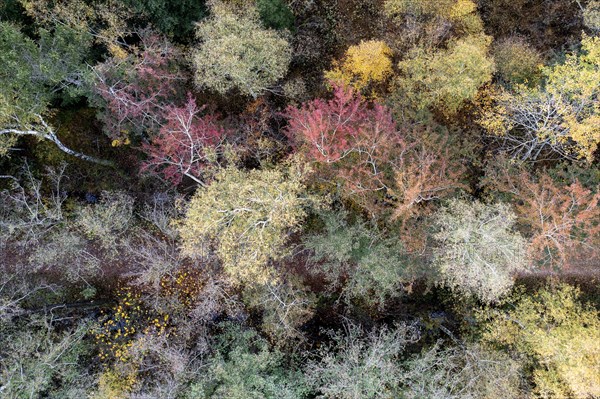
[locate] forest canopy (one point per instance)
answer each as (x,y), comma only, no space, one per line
(248,199)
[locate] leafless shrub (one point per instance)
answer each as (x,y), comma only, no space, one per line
(25,213)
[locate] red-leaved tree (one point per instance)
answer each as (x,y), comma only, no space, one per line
(186,144)
(348,135)
(378,162)
(136,86)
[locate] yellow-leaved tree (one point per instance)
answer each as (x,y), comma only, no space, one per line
(559,336)
(560,117)
(460,14)
(365,64)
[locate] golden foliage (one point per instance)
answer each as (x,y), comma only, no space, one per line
(561,337)
(560,116)
(363,64)
(462,14)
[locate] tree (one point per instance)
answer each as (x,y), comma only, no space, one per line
(429,171)
(517,61)
(478,250)
(559,337)
(347,135)
(450,9)
(446,78)
(591,15)
(33,76)
(275,14)
(237,53)
(25,212)
(186,145)
(243,367)
(461,372)
(560,220)
(361,366)
(368,266)
(349,141)
(106,20)
(246,216)
(366,63)
(174,19)
(378,162)
(41,358)
(135,87)
(286,306)
(428,24)
(560,118)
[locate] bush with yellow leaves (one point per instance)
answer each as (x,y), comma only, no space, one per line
(461,15)
(129,318)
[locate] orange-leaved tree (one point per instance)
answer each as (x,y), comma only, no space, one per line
(560,220)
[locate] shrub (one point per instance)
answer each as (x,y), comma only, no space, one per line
(108,220)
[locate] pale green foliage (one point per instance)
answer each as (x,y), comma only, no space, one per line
(286,306)
(243,367)
(465,372)
(65,252)
(26,212)
(32,73)
(559,335)
(238,53)
(517,61)
(37,360)
(446,78)
(105,20)
(108,220)
(33,76)
(478,252)
(591,15)
(359,366)
(374,267)
(247,216)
